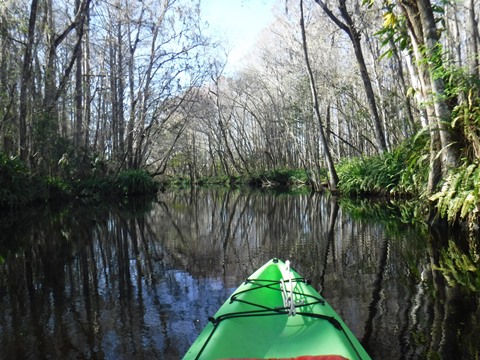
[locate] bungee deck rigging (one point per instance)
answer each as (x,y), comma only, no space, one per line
(275,303)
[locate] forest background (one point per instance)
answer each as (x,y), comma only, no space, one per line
(363,98)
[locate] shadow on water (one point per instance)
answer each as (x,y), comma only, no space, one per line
(107,283)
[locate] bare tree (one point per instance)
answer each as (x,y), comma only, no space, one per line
(332,173)
(348,26)
(25,80)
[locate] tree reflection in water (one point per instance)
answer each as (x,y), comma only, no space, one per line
(107,284)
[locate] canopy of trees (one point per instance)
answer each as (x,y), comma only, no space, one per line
(136,84)
(97,78)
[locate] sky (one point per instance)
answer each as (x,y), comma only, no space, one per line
(239,22)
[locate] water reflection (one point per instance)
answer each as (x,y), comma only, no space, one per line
(106,284)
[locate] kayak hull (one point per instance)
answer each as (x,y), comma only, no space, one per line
(276,314)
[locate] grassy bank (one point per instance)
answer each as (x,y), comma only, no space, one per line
(399,173)
(279,178)
(402,172)
(20,188)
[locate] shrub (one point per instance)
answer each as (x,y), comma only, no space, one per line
(135,182)
(17,185)
(463,89)
(95,188)
(282,177)
(217,180)
(400,172)
(459,197)
(56,188)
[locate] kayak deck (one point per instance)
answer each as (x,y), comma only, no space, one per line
(275,313)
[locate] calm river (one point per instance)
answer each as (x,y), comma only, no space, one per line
(104,283)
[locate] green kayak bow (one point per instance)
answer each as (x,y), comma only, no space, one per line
(276,314)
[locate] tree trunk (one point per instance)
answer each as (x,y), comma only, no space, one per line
(25,81)
(77,138)
(425,42)
(473,38)
(88,79)
(450,154)
(435,165)
(367,83)
(403,84)
(133,101)
(332,173)
(222,136)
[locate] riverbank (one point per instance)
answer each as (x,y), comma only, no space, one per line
(401,173)
(21,188)
(394,181)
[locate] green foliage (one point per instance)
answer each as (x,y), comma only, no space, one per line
(218,180)
(16,183)
(390,213)
(48,144)
(135,182)
(19,188)
(400,172)
(178,182)
(463,90)
(459,197)
(94,189)
(57,188)
(106,188)
(393,32)
(459,267)
(281,177)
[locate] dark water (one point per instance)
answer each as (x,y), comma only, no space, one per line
(98,283)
